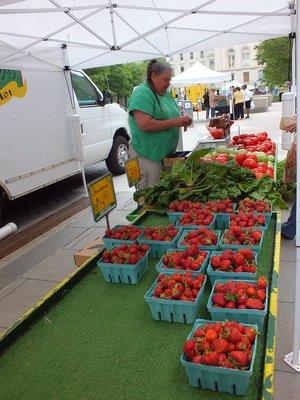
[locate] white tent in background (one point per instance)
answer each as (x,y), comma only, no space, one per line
(199,73)
(234,83)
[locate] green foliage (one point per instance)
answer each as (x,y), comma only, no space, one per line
(209,181)
(274,55)
(286,190)
(119,79)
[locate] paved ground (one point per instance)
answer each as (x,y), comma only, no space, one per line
(30,272)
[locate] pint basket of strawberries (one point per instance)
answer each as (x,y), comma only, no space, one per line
(192,260)
(248,220)
(124,264)
(176,297)
(232,264)
(160,239)
(243,301)
(195,218)
(205,239)
(237,237)
(220,355)
(256,206)
(121,234)
(178,207)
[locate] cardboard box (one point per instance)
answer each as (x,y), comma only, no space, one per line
(286,121)
(91,250)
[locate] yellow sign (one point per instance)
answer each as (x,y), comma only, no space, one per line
(102,196)
(133,171)
(12,90)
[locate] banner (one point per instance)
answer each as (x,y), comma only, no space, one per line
(11,85)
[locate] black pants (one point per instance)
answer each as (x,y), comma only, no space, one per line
(239,110)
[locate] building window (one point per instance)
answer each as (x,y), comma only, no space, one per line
(191,55)
(181,56)
(246,57)
(246,76)
(231,58)
(212,64)
(201,54)
(260,75)
(182,68)
(232,76)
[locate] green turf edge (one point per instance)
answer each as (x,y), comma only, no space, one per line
(269,366)
(19,326)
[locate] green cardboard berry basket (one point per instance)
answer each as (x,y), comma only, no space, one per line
(124,273)
(202,269)
(246,316)
(209,248)
(158,248)
(219,379)
(215,274)
(109,243)
(174,310)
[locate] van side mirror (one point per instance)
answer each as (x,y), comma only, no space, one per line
(107,97)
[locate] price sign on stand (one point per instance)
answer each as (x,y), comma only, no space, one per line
(133,171)
(103,197)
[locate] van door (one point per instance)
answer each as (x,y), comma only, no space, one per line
(94,117)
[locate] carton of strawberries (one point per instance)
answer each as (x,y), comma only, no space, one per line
(244,301)
(236,236)
(220,355)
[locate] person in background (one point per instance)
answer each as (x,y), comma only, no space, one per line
(288,228)
(213,101)
(238,97)
(206,103)
(154,120)
(247,97)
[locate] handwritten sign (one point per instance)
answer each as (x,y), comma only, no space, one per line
(102,196)
(133,171)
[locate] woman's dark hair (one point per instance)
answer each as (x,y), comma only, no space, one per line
(157,67)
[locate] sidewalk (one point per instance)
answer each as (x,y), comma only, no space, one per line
(32,271)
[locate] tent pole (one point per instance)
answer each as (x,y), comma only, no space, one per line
(292,359)
(75,120)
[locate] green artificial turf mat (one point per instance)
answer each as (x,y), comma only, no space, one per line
(100,342)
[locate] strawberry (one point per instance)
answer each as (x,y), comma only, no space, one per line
(219,345)
(211,358)
(250,334)
(199,332)
(262,282)
(239,358)
(197,359)
(261,294)
(189,348)
(254,304)
(211,335)
(233,335)
(219,299)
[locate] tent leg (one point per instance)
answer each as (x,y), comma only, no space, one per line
(292,359)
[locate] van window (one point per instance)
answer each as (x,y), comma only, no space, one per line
(86,93)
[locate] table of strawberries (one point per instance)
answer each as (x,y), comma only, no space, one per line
(182,303)
(208,253)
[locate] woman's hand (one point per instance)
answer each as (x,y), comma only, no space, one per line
(182,121)
(291,128)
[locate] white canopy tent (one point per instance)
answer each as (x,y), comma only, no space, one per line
(199,73)
(99,33)
(36,33)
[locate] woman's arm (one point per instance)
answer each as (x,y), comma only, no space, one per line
(147,123)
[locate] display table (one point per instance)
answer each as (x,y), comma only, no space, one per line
(99,341)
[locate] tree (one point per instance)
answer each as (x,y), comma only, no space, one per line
(274,54)
(119,79)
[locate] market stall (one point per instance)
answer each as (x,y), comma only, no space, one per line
(103,338)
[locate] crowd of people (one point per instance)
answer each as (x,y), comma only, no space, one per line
(241,98)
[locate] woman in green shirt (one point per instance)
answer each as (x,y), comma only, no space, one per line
(154,121)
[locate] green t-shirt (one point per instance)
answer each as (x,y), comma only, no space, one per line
(153,145)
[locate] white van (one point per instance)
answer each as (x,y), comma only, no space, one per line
(37,139)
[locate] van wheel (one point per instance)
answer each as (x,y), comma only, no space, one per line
(119,153)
